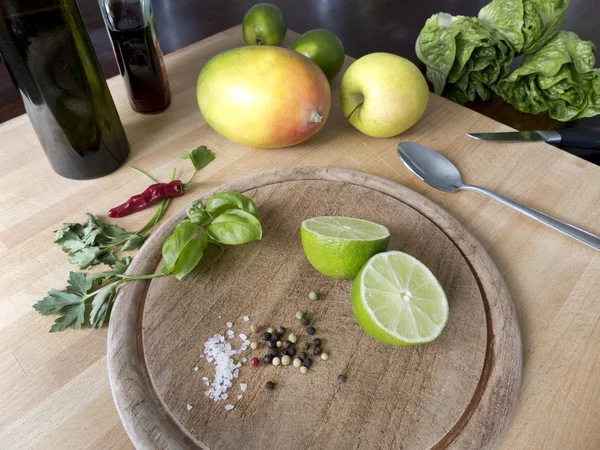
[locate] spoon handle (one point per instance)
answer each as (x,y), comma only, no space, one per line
(576,233)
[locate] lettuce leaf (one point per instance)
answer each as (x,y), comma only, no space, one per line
(559,78)
(464,58)
(527,24)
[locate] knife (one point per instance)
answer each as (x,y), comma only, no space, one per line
(585,138)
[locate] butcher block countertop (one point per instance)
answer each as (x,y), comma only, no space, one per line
(54,387)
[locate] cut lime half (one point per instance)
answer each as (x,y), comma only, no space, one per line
(339,246)
(397,300)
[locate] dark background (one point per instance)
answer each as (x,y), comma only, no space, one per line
(364,26)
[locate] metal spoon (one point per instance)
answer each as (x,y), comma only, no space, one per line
(433,168)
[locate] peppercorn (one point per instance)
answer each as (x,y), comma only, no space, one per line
(302,356)
(299,315)
(303,369)
(273,352)
(270,385)
(297,362)
(324,356)
(317,351)
(270,330)
(286,344)
(307,362)
(341,379)
(268,359)
(254,328)
(304,321)
(281,330)
(254,345)
(306,345)
(316,342)
(255,362)
(290,351)
(293,338)
(278,344)
(286,360)
(265,336)
(275,337)
(313,295)
(272,344)
(276,361)
(311,330)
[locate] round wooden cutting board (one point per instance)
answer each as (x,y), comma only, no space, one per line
(457,392)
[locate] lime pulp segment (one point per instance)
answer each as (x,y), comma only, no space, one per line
(348,228)
(397,300)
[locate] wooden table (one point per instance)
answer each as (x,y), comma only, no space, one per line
(54,387)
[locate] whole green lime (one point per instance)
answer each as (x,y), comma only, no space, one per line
(324,48)
(339,246)
(264,25)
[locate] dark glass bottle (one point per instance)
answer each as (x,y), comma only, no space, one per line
(51,60)
(131,29)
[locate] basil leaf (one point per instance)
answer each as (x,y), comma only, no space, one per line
(231,200)
(190,256)
(174,244)
(197,213)
(235,227)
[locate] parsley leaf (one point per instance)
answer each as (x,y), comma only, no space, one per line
(97,290)
(55,301)
(200,157)
(78,283)
(72,315)
(101,305)
(86,257)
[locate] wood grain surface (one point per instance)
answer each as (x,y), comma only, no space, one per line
(54,387)
(457,392)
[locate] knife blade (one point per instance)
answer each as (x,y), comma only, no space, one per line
(583,138)
(511,136)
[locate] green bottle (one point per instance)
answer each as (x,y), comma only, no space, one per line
(51,60)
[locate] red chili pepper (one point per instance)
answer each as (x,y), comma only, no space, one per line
(151,195)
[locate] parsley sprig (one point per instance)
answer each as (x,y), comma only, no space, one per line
(91,295)
(95,242)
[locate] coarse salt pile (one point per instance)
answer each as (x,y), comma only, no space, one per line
(219,352)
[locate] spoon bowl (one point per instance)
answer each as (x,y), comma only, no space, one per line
(430,166)
(437,171)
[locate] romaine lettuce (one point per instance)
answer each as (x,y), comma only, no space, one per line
(559,78)
(464,58)
(527,24)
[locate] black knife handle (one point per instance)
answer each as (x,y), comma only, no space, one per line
(585,138)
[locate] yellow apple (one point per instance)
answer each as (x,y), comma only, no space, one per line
(383,94)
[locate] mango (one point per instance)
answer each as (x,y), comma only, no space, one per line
(263,97)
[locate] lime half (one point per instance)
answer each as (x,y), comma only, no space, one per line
(397,300)
(339,246)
